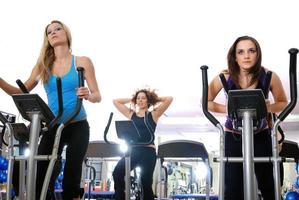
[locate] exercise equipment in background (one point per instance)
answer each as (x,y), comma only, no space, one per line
(183,151)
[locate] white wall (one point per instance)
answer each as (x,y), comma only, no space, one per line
(160,43)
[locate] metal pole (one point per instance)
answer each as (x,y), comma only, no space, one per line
(10,160)
(208,179)
(127,174)
(33,140)
(221,164)
(51,164)
(248,154)
(22,181)
(159,185)
(276,161)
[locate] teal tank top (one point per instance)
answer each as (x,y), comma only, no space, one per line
(69,83)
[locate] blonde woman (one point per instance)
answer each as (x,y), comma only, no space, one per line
(56,60)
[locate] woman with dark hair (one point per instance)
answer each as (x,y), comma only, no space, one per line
(246,72)
(57,60)
(143,156)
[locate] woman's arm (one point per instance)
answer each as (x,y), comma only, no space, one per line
(279,96)
(214,88)
(120,104)
(164,103)
(30,83)
(9,89)
(92,92)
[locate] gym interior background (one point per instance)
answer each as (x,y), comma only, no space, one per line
(160,44)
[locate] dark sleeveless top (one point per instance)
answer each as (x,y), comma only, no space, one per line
(144,129)
(262,84)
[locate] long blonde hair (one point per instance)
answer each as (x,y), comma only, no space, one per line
(47,57)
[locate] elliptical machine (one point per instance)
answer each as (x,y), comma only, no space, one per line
(127,131)
(35,110)
(247,107)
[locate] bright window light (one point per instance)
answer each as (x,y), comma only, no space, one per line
(201,171)
(27,152)
(123,147)
(138,170)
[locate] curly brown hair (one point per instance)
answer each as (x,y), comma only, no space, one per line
(152,97)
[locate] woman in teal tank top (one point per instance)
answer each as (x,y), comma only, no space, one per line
(56,60)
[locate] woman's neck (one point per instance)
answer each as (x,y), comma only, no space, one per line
(141,112)
(62,52)
(244,79)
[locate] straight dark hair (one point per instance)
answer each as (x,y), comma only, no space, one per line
(234,68)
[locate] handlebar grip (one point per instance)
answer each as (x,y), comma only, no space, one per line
(81,76)
(107,128)
(205,87)
(92,168)
(79,100)
(293,84)
(59,93)
(22,86)
(60,103)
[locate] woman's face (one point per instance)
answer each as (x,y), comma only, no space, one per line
(246,54)
(141,100)
(56,34)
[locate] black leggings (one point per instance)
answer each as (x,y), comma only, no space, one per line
(143,157)
(234,171)
(76,137)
